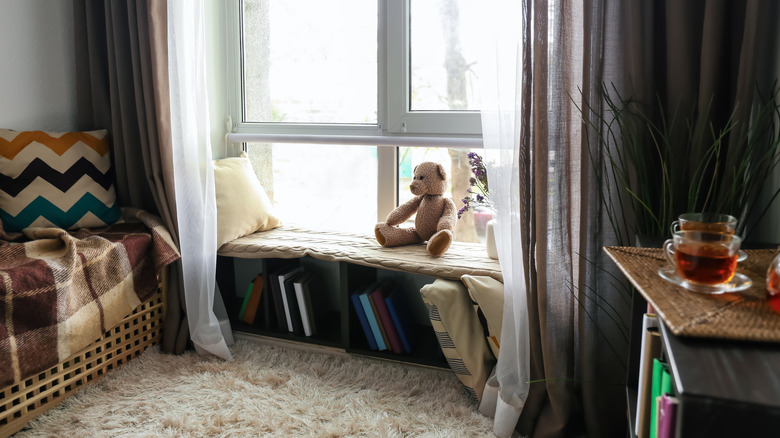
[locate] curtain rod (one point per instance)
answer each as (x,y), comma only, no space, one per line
(361,140)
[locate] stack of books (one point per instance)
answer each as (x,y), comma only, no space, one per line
(657,403)
(385,317)
(289,304)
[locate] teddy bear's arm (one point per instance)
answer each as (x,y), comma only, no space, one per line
(404,211)
(449,216)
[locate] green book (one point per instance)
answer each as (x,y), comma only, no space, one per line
(662,384)
(246,300)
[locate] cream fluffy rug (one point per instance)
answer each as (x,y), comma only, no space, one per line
(269,391)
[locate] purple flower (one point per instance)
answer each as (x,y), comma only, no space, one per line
(480,194)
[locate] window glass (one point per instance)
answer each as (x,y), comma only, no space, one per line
(444,37)
(326,187)
(308,61)
(471,225)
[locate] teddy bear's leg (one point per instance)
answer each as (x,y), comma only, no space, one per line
(439,242)
(388,235)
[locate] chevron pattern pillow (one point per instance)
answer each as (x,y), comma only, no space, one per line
(56,179)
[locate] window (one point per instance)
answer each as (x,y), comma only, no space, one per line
(328,103)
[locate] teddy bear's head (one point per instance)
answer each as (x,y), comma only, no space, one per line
(429,179)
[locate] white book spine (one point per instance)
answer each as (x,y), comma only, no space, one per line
(282,279)
(648,321)
(302,307)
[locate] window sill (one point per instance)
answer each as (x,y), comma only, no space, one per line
(362,249)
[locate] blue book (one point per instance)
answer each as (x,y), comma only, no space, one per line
(399,312)
(363,321)
(380,342)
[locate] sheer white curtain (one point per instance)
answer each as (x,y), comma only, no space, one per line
(193,172)
(501,103)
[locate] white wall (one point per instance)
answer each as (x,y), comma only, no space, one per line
(37,72)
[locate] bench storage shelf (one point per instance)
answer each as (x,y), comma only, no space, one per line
(344,263)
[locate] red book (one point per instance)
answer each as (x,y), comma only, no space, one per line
(378,301)
(254,300)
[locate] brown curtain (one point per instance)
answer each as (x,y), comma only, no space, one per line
(122,85)
(579,310)
(706,61)
(577,350)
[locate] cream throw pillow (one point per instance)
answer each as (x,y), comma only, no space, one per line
(243,207)
(459,333)
(487,296)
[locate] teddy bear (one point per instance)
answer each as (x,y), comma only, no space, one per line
(436,214)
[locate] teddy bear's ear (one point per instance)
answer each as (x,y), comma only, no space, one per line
(442,172)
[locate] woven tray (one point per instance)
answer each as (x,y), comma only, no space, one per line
(743,315)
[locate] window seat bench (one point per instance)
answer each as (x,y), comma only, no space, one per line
(348,263)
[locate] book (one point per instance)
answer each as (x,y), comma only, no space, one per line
(276,297)
(667,416)
(308,301)
(254,300)
(650,349)
(292,302)
(245,303)
(378,301)
(361,314)
(371,317)
(662,384)
(372,308)
(283,277)
(269,313)
(401,315)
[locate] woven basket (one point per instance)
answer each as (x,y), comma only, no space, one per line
(23,401)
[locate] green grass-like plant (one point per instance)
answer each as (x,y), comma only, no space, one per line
(651,166)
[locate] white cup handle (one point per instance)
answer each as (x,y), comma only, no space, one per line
(674,226)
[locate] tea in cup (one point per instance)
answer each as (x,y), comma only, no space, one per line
(703,258)
(705,222)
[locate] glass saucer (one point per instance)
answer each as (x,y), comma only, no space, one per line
(740,282)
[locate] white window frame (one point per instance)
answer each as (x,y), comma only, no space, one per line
(396,124)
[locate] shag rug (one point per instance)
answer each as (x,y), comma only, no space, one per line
(266,391)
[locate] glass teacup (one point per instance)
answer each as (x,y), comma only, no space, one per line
(703,258)
(705,222)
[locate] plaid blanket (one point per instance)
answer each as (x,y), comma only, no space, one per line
(59,290)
